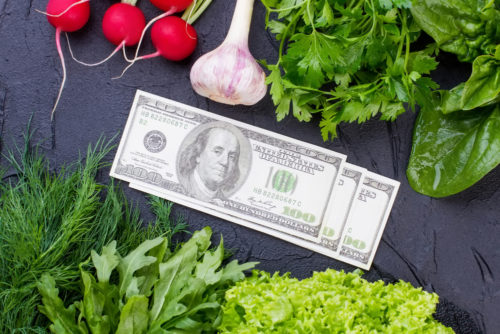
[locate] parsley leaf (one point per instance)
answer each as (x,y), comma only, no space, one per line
(347,60)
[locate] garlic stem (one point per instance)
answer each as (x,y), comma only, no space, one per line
(240,24)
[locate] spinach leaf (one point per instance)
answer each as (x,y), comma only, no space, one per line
(452,152)
(481,89)
(467,28)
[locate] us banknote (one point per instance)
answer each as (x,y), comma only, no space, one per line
(360,231)
(257,176)
(367,218)
(341,200)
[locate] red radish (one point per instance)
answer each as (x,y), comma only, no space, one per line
(68,16)
(170,7)
(173,38)
(122,25)
(166,5)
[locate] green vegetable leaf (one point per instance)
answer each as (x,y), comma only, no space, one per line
(274,79)
(105,263)
(183,290)
(421,62)
(94,300)
(483,86)
(315,57)
(327,302)
(135,260)
(390,111)
(63,319)
(149,274)
(283,108)
(463,27)
(234,271)
(134,318)
(176,271)
(452,152)
(423,91)
(276,27)
(327,16)
(206,270)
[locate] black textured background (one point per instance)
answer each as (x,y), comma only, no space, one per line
(449,245)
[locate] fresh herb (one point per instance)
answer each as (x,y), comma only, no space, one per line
(456,139)
(149,290)
(328,302)
(49,222)
(348,60)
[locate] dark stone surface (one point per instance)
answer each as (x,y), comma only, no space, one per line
(449,245)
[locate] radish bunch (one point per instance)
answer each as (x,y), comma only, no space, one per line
(173,38)
(124,25)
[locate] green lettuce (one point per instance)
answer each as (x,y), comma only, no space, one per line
(328,302)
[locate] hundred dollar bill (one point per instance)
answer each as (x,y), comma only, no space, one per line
(227,166)
(342,197)
(317,246)
(367,219)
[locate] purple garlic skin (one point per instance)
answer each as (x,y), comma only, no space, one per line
(230,75)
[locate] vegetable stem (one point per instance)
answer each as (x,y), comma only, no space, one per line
(240,24)
(193,12)
(130,2)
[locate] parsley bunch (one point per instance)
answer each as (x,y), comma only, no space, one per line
(349,60)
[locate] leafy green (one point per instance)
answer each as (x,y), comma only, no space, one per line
(328,302)
(346,60)
(455,141)
(452,152)
(481,89)
(467,28)
(50,221)
(185,296)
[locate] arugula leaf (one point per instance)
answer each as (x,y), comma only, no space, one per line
(134,316)
(63,319)
(92,306)
(135,260)
(173,276)
(158,291)
(452,152)
(105,263)
(206,269)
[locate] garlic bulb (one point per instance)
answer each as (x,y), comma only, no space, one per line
(229,74)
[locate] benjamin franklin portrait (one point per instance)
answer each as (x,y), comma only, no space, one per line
(214,161)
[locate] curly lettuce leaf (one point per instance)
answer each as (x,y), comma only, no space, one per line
(329,301)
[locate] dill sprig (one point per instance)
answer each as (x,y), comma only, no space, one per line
(50,221)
